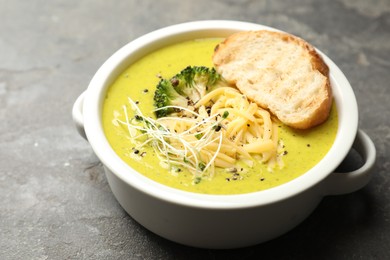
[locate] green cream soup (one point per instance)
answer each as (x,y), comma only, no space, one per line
(303,149)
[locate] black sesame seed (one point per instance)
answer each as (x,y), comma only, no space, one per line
(174,82)
(234,169)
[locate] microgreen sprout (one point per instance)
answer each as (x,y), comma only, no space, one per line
(177,149)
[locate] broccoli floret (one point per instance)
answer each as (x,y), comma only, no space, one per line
(166,95)
(195,82)
(185,88)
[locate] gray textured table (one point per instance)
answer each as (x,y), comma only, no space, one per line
(54,199)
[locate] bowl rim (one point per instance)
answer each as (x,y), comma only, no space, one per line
(92,109)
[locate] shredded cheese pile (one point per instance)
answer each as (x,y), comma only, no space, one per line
(220,129)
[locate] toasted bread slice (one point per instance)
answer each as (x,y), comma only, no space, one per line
(280,72)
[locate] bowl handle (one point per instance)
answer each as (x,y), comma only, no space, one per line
(347,182)
(77,114)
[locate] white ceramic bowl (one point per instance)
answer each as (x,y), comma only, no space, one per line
(220,221)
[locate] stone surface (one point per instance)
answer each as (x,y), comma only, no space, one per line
(54,199)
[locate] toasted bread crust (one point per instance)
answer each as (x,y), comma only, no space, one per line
(280,72)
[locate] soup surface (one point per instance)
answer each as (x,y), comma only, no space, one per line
(303,149)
